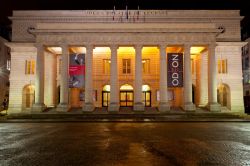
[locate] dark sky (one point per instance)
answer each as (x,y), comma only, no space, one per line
(6,6)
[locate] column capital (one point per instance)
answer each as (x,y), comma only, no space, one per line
(39,45)
(138,46)
(113,47)
(212,45)
(89,46)
(187,46)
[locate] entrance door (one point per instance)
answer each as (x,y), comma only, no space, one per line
(146,98)
(105,98)
(126,98)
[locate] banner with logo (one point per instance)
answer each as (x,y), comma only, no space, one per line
(76,70)
(175,69)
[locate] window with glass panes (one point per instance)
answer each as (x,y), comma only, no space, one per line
(106,66)
(222,66)
(146,66)
(126,66)
(30,67)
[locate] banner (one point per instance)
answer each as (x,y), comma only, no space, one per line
(76,70)
(175,69)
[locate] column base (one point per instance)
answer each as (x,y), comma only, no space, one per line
(138,107)
(214,107)
(62,107)
(38,107)
(88,107)
(113,107)
(189,107)
(164,107)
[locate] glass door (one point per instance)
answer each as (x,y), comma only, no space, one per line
(126,98)
(105,98)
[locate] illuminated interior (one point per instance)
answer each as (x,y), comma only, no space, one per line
(106,88)
(145,88)
(55,50)
(126,87)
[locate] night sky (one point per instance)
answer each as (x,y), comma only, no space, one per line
(7,6)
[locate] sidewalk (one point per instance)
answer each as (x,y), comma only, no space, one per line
(126,115)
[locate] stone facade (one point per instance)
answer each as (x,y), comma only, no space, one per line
(217,31)
(4,70)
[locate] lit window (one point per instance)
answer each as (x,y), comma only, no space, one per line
(126,66)
(146,66)
(8,65)
(30,67)
(222,66)
(106,66)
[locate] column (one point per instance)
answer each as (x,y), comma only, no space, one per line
(88,106)
(212,79)
(38,106)
(64,79)
(114,83)
(188,104)
(164,104)
(138,105)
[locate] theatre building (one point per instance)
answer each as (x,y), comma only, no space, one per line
(164,59)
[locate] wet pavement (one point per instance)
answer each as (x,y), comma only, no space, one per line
(118,144)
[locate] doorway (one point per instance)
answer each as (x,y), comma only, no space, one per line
(126,96)
(105,96)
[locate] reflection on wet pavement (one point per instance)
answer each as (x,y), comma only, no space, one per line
(125,144)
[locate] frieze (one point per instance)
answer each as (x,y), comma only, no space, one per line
(125,38)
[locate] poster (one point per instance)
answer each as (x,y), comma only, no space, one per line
(175,69)
(76,70)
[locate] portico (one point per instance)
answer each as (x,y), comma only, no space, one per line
(129,53)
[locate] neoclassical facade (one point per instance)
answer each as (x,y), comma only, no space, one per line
(167,59)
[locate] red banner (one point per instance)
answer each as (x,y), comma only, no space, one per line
(76,70)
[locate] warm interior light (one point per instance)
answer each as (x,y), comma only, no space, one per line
(101,50)
(106,88)
(145,88)
(55,50)
(197,50)
(78,50)
(126,87)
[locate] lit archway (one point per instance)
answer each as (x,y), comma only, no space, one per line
(126,87)
(223,95)
(28,96)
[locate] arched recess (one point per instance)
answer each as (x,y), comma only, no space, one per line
(28,96)
(224,95)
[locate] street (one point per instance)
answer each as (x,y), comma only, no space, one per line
(172,143)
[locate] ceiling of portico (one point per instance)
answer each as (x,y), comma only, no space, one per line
(121,50)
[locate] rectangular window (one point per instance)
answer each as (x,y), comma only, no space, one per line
(8,65)
(222,66)
(29,67)
(126,66)
(106,66)
(146,66)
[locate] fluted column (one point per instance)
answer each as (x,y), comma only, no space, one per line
(164,104)
(39,82)
(138,105)
(88,106)
(212,79)
(188,104)
(114,83)
(64,79)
